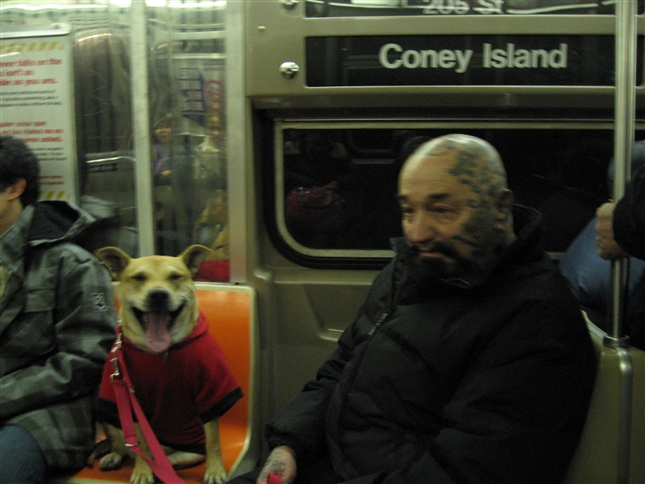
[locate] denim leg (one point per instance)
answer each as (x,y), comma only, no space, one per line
(21,460)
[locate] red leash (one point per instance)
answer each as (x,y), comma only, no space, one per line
(127,403)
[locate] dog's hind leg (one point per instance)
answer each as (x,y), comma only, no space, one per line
(215,470)
(114,459)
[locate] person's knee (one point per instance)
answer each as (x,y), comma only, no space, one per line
(21,460)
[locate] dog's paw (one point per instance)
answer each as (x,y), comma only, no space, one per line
(101,448)
(110,462)
(215,475)
(142,477)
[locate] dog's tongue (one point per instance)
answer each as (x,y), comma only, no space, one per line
(157,336)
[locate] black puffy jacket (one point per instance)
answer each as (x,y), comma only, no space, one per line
(456,385)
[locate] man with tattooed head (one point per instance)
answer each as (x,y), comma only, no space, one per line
(456,211)
(469,362)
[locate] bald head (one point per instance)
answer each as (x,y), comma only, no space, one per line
(476,163)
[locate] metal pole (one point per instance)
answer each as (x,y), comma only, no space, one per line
(236,147)
(625,114)
(141,125)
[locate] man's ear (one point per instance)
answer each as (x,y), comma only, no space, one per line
(17,189)
(505,205)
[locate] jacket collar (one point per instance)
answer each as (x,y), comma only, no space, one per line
(42,223)
(57,221)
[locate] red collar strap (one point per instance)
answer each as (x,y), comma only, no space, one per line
(127,403)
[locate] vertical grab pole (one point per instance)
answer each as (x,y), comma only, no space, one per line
(625,113)
(141,125)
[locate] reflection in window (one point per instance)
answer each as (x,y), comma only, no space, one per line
(340,184)
(187,79)
(191,199)
(340,187)
(107,193)
(209,175)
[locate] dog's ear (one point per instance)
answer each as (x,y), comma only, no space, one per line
(193,256)
(115,259)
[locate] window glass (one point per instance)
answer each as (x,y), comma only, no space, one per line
(338,186)
(189,160)
(186,68)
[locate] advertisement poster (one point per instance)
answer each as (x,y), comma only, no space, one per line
(36,104)
(201,86)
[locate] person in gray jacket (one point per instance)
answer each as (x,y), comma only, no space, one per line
(57,321)
(469,362)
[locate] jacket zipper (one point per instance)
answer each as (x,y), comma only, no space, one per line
(378,323)
(350,384)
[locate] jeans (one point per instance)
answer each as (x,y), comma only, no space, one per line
(21,460)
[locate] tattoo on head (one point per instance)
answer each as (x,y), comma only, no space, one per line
(477,166)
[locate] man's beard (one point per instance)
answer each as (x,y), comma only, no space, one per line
(424,272)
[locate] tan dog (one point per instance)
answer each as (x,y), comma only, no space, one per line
(158,312)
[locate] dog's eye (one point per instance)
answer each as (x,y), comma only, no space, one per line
(176,277)
(139,277)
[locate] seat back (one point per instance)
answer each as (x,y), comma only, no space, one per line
(231,312)
(597,459)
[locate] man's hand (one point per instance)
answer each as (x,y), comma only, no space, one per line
(609,248)
(281,462)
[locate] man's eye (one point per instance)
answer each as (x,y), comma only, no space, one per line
(441,210)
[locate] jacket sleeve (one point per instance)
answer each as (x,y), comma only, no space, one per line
(72,322)
(629,217)
(518,413)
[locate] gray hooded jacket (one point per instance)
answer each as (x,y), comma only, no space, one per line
(57,322)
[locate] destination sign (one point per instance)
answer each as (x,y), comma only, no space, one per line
(466,60)
(362,8)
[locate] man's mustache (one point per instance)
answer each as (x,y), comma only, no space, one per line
(435,247)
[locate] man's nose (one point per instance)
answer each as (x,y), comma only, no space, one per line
(421,228)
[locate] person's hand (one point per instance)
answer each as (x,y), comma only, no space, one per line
(609,248)
(281,462)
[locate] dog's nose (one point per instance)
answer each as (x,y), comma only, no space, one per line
(158,300)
